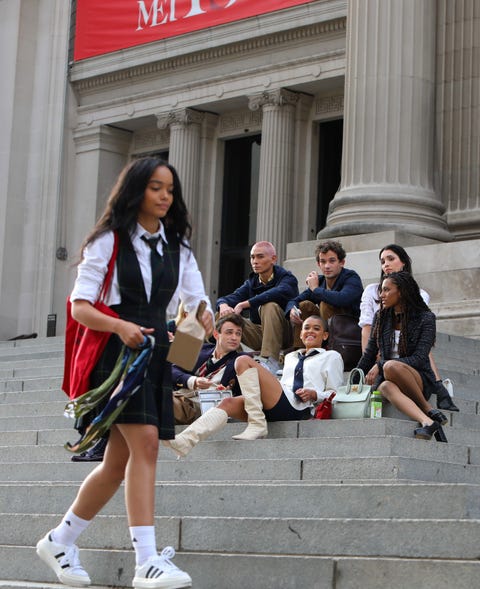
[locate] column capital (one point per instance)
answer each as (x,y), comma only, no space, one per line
(183,116)
(278,97)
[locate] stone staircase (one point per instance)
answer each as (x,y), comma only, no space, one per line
(356,504)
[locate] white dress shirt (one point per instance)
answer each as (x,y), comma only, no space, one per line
(369,305)
(91,271)
(323,373)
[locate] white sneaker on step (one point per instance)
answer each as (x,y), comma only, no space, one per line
(64,561)
(159,572)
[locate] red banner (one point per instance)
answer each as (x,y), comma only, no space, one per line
(103,26)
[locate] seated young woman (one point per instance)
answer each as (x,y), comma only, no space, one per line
(394,258)
(309,376)
(402,335)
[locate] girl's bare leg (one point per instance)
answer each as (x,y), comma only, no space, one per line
(103,482)
(142,442)
(403,388)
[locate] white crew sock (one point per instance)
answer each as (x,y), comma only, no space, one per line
(144,542)
(69,529)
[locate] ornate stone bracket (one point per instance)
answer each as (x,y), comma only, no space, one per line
(278,97)
(184,116)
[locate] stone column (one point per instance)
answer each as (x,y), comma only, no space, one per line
(275,190)
(388,143)
(458,114)
(184,151)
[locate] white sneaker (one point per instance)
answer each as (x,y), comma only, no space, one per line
(270,364)
(158,572)
(64,562)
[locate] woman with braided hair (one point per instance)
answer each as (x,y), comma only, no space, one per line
(394,258)
(396,357)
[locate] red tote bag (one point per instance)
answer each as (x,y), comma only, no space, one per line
(84,346)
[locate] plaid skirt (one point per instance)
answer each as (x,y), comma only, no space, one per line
(152,404)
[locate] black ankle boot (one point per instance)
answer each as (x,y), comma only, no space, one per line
(444,401)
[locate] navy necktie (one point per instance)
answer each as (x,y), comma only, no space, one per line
(156,261)
(298,373)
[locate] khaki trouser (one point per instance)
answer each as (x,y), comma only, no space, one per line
(272,335)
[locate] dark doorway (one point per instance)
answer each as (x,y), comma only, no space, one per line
(239,210)
(329,167)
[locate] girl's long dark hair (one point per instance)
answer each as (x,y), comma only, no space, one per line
(123,204)
(404,258)
(412,305)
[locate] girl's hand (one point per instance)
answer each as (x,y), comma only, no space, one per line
(372,374)
(306,395)
(132,334)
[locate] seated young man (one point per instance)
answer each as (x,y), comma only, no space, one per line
(337,290)
(215,366)
(309,376)
(264,296)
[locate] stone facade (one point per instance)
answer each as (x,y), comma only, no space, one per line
(408,95)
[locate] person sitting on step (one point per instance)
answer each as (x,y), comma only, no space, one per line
(309,376)
(264,295)
(215,367)
(337,290)
(396,359)
(393,258)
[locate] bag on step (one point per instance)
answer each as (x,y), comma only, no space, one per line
(345,337)
(186,408)
(352,401)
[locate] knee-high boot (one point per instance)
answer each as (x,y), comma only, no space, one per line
(257,424)
(207,424)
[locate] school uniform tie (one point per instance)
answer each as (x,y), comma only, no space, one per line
(206,367)
(298,372)
(156,261)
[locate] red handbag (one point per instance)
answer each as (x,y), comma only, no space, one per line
(324,409)
(84,346)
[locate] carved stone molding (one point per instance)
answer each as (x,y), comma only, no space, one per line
(184,116)
(85,81)
(146,140)
(242,121)
(278,97)
(329,104)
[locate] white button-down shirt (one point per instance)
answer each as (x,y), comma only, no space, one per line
(323,373)
(91,271)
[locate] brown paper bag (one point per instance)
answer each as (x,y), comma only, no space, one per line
(188,340)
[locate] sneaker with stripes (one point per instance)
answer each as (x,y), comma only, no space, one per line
(159,572)
(64,561)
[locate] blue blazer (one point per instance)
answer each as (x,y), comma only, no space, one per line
(229,378)
(282,288)
(346,293)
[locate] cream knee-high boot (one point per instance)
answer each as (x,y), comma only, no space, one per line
(257,424)
(207,424)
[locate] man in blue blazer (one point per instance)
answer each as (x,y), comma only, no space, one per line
(214,368)
(264,295)
(337,290)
